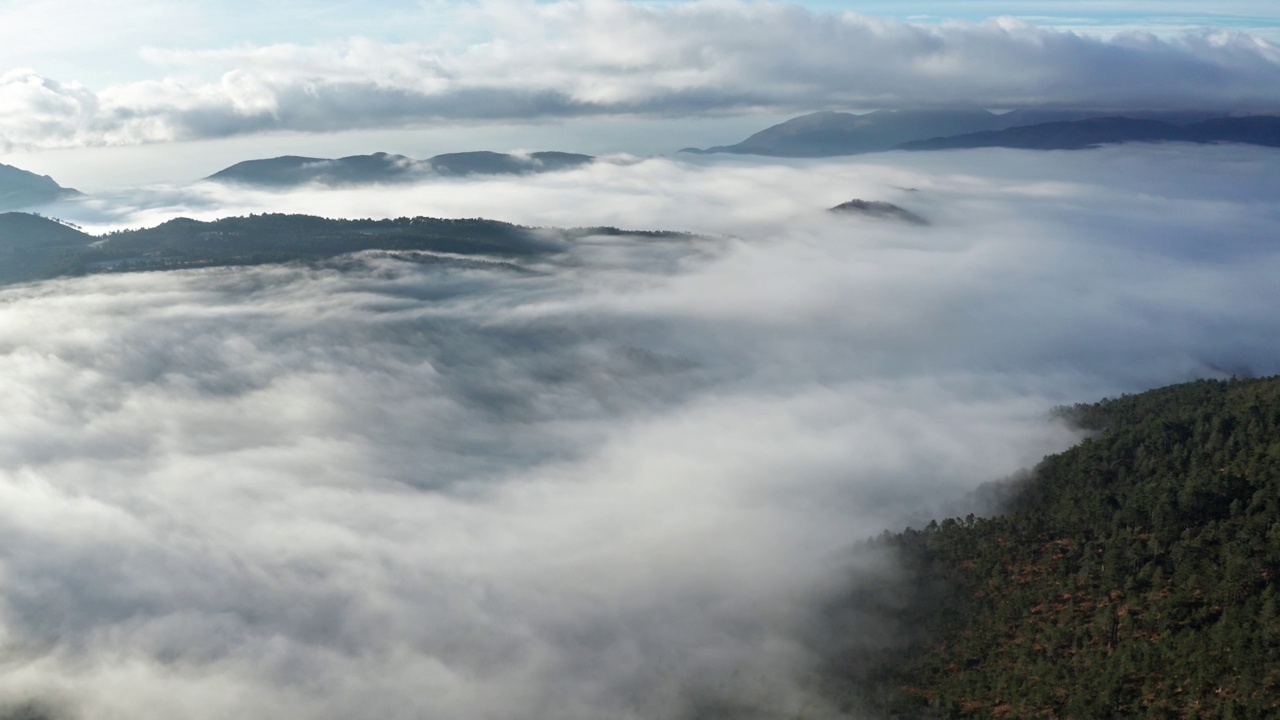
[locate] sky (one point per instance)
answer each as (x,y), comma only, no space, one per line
(627,481)
(596,76)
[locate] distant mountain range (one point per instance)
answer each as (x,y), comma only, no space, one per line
(1097,131)
(291,170)
(21,189)
(824,134)
(829,134)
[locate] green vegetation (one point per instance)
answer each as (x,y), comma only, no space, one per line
(1135,575)
(37,248)
(34,247)
(275,238)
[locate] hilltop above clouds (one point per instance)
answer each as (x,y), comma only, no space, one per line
(384,168)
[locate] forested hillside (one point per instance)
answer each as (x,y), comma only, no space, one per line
(38,248)
(1135,575)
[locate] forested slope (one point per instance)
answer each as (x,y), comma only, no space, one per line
(1135,575)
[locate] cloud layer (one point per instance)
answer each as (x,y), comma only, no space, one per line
(610,485)
(524,61)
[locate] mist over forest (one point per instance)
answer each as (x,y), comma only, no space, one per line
(615,481)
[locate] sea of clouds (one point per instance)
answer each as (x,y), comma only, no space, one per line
(615,483)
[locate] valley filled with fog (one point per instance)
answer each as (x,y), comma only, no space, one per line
(614,482)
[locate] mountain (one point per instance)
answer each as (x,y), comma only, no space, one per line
(18,229)
(20,189)
(491,163)
(1256,130)
(1040,116)
(1068,135)
(824,134)
(879,209)
(1078,134)
(255,239)
(32,247)
(36,248)
(827,134)
(291,170)
(1134,575)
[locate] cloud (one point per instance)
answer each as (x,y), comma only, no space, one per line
(38,110)
(615,483)
(526,61)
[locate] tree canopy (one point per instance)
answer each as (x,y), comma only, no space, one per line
(1135,575)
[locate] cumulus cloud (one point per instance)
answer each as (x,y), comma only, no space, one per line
(614,483)
(522,60)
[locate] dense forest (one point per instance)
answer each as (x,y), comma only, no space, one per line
(1135,575)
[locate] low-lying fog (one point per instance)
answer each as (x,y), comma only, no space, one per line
(604,486)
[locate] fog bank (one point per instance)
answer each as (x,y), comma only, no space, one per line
(609,484)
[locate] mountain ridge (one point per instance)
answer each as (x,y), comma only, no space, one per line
(33,247)
(1092,132)
(381,167)
(834,134)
